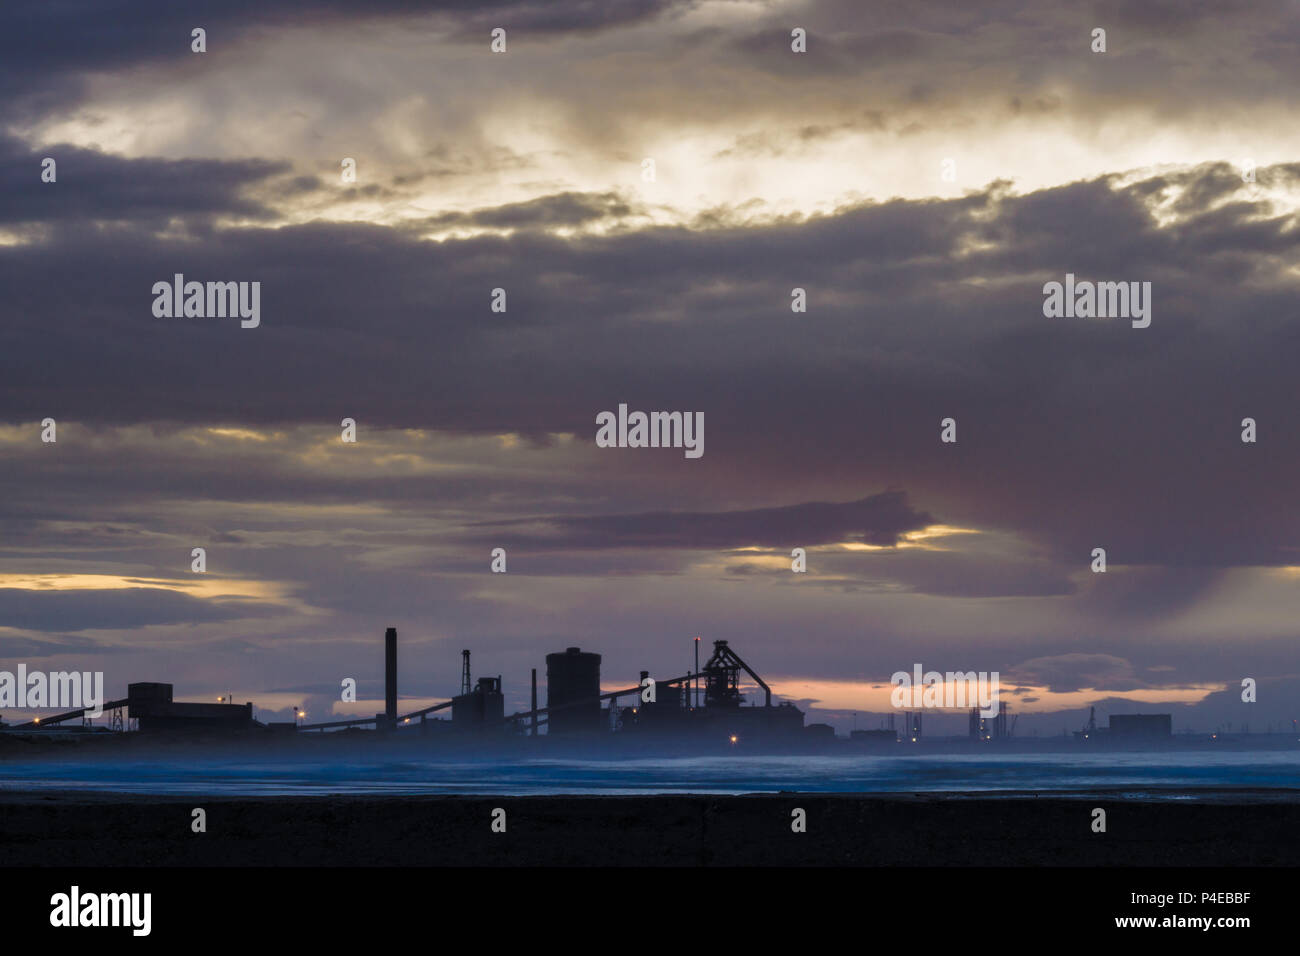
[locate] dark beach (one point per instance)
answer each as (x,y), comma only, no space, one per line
(1214,828)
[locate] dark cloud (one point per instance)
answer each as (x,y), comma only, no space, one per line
(952,573)
(51,55)
(544,17)
(86,36)
(947,53)
(836,51)
(561,209)
(1071,672)
(904,328)
(94,187)
(18,647)
(878,519)
(81,610)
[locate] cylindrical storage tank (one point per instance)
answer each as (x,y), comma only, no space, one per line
(573,678)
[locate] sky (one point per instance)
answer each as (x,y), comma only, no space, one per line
(921,171)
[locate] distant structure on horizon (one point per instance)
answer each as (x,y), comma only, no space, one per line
(1128,727)
(575,707)
(1141,725)
(989,728)
(704,707)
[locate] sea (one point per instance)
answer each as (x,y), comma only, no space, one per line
(1165,775)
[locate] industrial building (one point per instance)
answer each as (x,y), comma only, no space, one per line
(1127,727)
(705,704)
(573,693)
(1141,725)
(678,710)
(482,709)
(151,705)
(722,701)
(704,707)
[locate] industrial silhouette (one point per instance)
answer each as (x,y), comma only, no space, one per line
(705,706)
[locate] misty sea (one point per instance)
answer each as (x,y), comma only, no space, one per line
(1164,773)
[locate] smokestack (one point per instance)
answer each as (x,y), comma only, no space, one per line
(534,701)
(390,675)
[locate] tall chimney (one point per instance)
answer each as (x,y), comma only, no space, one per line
(390,675)
(534,701)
